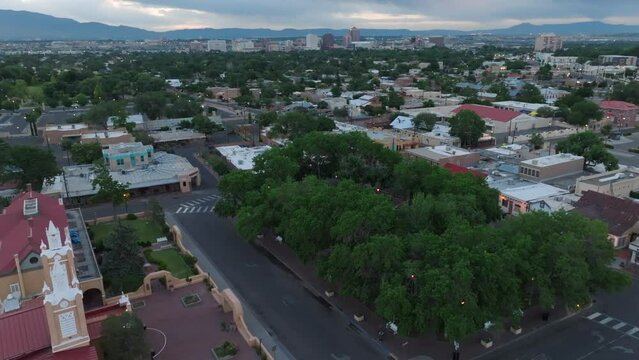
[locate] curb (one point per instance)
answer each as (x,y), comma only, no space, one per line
(534,331)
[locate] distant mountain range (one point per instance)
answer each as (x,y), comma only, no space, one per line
(24,25)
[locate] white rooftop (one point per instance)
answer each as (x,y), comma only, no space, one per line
(65,127)
(242,157)
(521,105)
(449,150)
(402,122)
(525,190)
(104,134)
(176,135)
(552,160)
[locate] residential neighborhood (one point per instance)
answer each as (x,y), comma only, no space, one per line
(345,194)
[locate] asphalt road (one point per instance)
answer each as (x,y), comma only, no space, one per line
(607,331)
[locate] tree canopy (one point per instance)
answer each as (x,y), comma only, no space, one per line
(123,338)
(468,126)
(86,153)
(27,164)
(419,244)
(591,147)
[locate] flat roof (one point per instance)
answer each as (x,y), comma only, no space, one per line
(242,157)
(438,152)
(176,135)
(105,134)
(552,160)
(522,105)
(609,178)
(527,191)
(66,127)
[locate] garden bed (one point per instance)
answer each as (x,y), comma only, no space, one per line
(225,351)
(191,299)
(146,230)
(172,261)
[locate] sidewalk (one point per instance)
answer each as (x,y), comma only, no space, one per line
(423,347)
(256,327)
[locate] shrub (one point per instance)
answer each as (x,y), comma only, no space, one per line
(635,150)
(226,349)
(131,217)
(190,260)
(634,194)
(608,146)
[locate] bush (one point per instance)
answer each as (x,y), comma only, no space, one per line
(634,194)
(226,349)
(635,150)
(190,260)
(218,164)
(608,146)
(131,217)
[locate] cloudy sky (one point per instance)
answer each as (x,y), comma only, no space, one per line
(278,14)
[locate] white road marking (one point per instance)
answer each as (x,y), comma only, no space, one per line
(632,331)
(212,208)
(606,320)
(619,326)
(206,208)
(593,316)
(180,210)
(192,209)
(199,208)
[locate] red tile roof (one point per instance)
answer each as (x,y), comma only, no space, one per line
(619,214)
(15,235)
(489,112)
(24,331)
(456,169)
(617,105)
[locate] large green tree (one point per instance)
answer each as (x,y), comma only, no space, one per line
(86,153)
(108,188)
(122,261)
(468,126)
(28,164)
(123,338)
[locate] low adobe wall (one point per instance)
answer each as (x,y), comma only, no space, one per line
(226,298)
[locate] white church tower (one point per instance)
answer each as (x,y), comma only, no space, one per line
(62,294)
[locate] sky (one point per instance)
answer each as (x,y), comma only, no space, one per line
(161,15)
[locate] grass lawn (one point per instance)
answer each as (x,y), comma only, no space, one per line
(172,260)
(146,230)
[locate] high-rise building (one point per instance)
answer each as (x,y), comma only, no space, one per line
(548,42)
(312,42)
(355,34)
(438,41)
(216,45)
(347,39)
(328,41)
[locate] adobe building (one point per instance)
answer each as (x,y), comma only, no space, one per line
(80,133)
(145,171)
(549,167)
(617,183)
(620,113)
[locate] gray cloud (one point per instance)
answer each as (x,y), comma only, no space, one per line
(414,14)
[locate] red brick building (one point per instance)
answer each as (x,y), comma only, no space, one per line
(620,113)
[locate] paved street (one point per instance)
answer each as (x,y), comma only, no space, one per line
(607,331)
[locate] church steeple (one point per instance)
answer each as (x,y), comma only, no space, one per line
(62,295)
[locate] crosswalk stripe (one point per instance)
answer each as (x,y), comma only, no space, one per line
(192,209)
(632,331)
(593,316)
(205,209)
(606,320)
(198,209)
(212,208)
(619,326)
(179,210)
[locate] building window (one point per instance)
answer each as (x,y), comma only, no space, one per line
(142,158)
(34,260)
(14,288)
(504,203)
(537,173)
(120,161)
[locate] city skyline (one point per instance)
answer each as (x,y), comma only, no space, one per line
(162,15)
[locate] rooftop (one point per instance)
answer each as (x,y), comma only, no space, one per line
(65,127)
(176,135)
(105,134)
(525,190)
(617,105)
(138,119)
(552,160)
(489,112)
(608,178)
(164,169)
(22,236)
(125,148)
(242,157)
(438,152)
(619,214)
(24,331)
(521,105)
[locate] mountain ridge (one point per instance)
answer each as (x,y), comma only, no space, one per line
(47,27)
